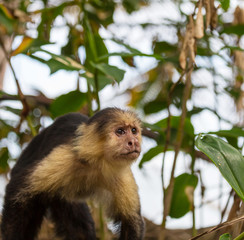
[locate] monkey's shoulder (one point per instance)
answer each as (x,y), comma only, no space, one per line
(60,132)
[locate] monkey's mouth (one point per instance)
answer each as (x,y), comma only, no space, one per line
(135,152)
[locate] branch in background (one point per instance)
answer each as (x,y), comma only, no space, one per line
(32,100)
(25,109)
(218,227)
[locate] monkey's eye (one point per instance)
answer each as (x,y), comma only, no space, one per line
(134,130)
(120,131)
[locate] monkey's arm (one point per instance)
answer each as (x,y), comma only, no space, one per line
(127,209)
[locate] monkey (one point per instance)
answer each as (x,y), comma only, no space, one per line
(75,159)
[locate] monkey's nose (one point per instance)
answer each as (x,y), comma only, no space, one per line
(132,143)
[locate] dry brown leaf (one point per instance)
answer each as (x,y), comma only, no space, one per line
(214,15)
(199,28)
(188,48)
(182,59)
(208,12)
(239,59)
(238,16)
(191,40)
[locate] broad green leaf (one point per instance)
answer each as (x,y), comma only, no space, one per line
(101,48)
(225,236)
(227,159)
(225,4)
(153,152)
(234,132)
(155,106)
(70,102)
(103,80)
(182,198)
(57,62)
(234,29)
(231,135)
(164,47)
(90,44)
(111,72)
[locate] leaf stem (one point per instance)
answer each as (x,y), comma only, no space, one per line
(240,237)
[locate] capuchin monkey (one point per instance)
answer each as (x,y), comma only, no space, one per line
(75,159)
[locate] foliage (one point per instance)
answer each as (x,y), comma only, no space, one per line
(185,65)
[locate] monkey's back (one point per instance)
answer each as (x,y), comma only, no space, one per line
(61,131)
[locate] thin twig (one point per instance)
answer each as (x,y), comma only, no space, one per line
(20,93)
(179,137)
(218,227)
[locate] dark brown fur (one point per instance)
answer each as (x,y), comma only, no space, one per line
(74,159)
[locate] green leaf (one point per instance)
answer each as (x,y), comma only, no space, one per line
(225,4)
(4,156)
(164,47)
(234,132)
(111,72)
(155,106)
(231,135)
(70,102)
(132,52)
(234,29)
(153,152)
(131,5)
(90,44)
(227,159)
(57,62)
(174,123)
(225,236)
(182,198)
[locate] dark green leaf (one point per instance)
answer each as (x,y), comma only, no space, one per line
(153,152)
(231,135)
(155,106)
(234,29)
(111,72)
(227,158)
(101,48)
(164,47)
(70,102)
(12,110)
(4,156)
(131,5)
(182,199)
(225,236)
(234,132)
(90,44)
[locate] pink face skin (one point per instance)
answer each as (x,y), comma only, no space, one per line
(129,138)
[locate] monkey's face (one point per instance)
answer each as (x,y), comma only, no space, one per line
(124,142)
